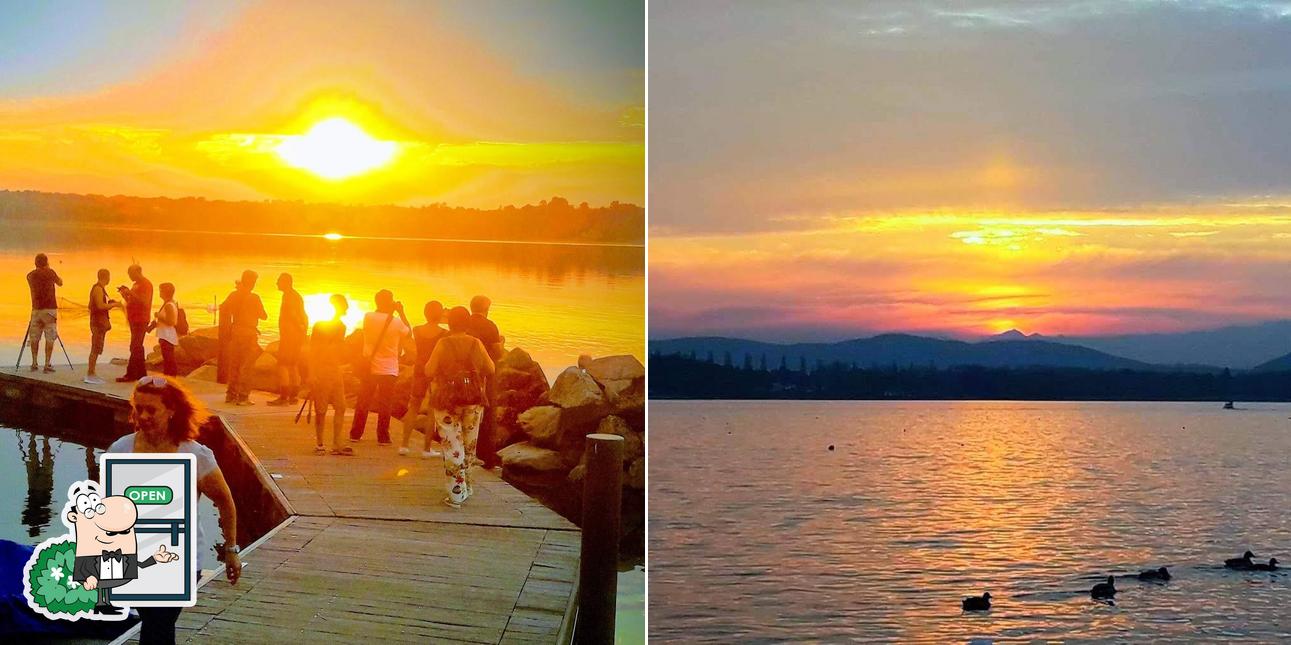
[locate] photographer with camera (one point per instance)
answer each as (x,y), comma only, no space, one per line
(383,336)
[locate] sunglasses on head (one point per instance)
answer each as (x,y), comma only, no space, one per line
(154,381)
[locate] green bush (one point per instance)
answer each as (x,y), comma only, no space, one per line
(51,585)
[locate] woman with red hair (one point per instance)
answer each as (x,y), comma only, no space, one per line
(166,417)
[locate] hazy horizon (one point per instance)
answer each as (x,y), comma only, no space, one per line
(1076,167)
(836,336)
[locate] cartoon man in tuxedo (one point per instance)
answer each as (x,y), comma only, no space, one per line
(106,546)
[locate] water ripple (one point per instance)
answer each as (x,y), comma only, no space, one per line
(762,535)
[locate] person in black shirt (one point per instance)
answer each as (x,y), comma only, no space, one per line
(44,310)
(244,311)
(484,329)
(487,333)
(293,326)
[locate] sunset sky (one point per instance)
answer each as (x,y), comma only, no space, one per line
(471,103)
(833,170)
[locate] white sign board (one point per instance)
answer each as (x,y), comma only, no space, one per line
(164,490)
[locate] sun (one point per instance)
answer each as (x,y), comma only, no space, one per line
(318,307)
(336,149)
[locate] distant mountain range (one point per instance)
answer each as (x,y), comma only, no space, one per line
(1262,347)
(901,350)
(1238,346)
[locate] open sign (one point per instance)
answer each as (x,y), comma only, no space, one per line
(163,487)
(150,494)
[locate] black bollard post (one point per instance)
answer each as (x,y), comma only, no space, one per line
(598,570)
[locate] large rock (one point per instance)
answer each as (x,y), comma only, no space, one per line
(519,360)
(526,456)
(613,425)
(577,474)
(623,367)
(201,345)
(518,385)
(263,375)
(635,476)
(633,441)
(633,446)
(575,388)
(541,424)
(153,360)
(184,362)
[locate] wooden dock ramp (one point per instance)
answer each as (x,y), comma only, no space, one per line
(370,553)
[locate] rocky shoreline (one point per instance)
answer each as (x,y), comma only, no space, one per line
(543,453)
(540,429)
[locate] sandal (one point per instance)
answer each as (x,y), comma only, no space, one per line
(343,452)
(450,503)
(319,450)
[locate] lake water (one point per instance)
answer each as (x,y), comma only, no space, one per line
(758,532)
(554,300)
(35,471)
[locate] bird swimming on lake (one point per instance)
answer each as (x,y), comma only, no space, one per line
(1243,562)
(1271,566)
(1155,575)
(1104,590)
(974,603)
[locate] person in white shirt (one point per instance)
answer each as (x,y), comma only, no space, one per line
(164,322)
(383,337)
(166,417)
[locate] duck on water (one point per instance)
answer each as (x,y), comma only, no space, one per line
(1104,590)
(1243,562)
(1155,575)
(975,603)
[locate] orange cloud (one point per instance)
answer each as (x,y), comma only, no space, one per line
(480,132)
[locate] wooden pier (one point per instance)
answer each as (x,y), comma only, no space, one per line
(369,552)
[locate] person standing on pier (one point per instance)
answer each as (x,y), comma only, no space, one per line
(458,369)
(138,314)
(425,336)
(167,335)
(44,310)
(100,323)
(383,336)
(293,325)
(244,311)
(166,417)
(326,383)
(486,331)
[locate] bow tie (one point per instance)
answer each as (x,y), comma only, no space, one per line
(113,555)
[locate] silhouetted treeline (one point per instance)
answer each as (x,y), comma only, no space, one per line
(554,220)
(685,377)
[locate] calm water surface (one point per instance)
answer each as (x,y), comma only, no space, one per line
(758,532)
(556,301)
(35,471)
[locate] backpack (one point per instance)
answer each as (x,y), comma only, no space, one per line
(456,386)
(181,321)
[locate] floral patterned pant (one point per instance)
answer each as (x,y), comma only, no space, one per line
(459,432)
